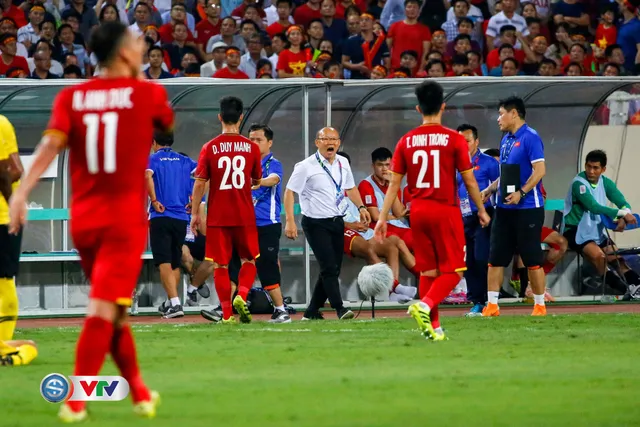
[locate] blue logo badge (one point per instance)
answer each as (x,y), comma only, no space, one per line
(54,388)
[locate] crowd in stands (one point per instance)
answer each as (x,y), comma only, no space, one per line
(335,39)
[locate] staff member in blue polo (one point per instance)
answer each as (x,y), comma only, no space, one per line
(268,205)
(486,170)
(519,214)
(169,187)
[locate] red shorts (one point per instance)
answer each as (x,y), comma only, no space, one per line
(546,231)
(404,233)
(349,235)
(440,232)
(111,258)
(222,240)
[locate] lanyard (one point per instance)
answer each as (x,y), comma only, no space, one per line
(506,149)
(265,175)
(476,162)
(329,173)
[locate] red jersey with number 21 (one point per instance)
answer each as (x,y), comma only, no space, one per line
(230,161)
(430,155)
(108,125)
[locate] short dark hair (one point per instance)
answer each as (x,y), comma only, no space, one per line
(345,155)
(493,152)
(154,47)
(430,97)
(473,52)
(406,2)
(262,62)
(433,62)
(461,37)
(318,20)
(268,133)
(380,154)
(506,28)
(514,60)
(412,53)
(597,156)
(514,103)
(431,52)
(289,2)
(533,20)
(466,126)
(106,39)
(609,50)
(249,21)
(72,69)
(584,49)
(549,61)
(614,65)
(464,20)
(572,64)
(505,46)
(281,36)
(460,60)
(163,139)
(231,108)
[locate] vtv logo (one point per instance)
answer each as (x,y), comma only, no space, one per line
(98,388)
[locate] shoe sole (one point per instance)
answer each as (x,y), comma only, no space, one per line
(280,321)
(426,328)
(348,315)
(210,316)
(175,315)
(241,307)
(473,315)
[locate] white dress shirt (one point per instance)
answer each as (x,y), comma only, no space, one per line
(316,189)
(498,21)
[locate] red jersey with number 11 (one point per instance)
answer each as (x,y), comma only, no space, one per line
(230,161)
(430,155)
(108,125)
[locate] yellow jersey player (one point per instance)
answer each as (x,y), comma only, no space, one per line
(12,353)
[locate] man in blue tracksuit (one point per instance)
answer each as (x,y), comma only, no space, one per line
(169,187)
(486,169)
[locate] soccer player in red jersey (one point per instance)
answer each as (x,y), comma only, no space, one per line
(430,155)
(231,164)
(107,124)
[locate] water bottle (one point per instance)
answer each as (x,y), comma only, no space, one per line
(608,299)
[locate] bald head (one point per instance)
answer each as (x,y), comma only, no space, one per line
(328,143)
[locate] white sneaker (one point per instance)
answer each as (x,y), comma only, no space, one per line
(400,298)
(409,291)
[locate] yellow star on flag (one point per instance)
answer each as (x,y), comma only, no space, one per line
(602,43)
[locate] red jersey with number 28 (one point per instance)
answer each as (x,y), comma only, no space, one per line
(430,155)
(230,161)
(108,125)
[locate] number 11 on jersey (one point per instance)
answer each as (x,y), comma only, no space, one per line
(92,123)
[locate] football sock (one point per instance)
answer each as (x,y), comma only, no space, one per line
(175,301)
(245,279)
(93,345)
(223,289)
(492,297)
(395,285)
(442,286)
(191,288)
(22,355)
(8,308)
(538,299)
(547,267)
(425,285)
(123,352)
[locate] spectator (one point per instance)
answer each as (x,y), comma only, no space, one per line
(409,60)
(353,26)
(283,8)
(315,35)
(409,35)
(534,25)
(218,55)
(572,13)
(473,12)
(30,33)
(188,19)
(461,45)
(142,16)
(16,73)
(534,55)
(145,59)
(508,68)
(435,68)
(191,70)
(344,7)
(459,10)
(42,60)
(48,31)
(459,66)
(188,59)
(326,46)
(72,72)
(272,14)
(252,13)
(292,61)
(307,12)
(508,16)
(465,28)
(65,39)
(174,51)
(548,68)
(561,46)
(231,70)
(47,47)
(537,8)
(247,29)
(208,27)
(156,18)
(392,12)
(264,75)
(578,54)
(439,43)
(151,31)
(178,16)
(611,69)
(249,61)
(629,37)
(332,70)
(613,53)
(239,11)
(375,8)
(606,32)
(109,13)
(88,18)
(335,28)
(496,56)
(379,72)
(8,56)
(228,36)
(73,18)
(264,66)
(156,59)
(8,26)
(364,51)
(277,45)
(476,66)
(573,69)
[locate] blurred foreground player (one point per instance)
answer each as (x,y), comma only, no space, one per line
(107,124)
(12,353)
(231,163)
(430,155)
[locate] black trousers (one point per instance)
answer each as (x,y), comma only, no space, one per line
(477,240)
(326,238)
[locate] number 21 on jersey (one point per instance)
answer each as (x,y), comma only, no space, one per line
(421,158)
(93,122)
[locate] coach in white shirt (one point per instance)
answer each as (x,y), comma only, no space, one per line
(321,181)
(508,16)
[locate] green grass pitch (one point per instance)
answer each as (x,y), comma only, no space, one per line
(579,370)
